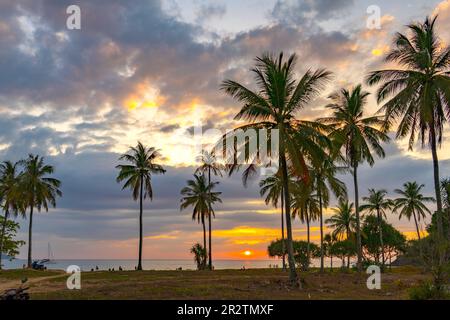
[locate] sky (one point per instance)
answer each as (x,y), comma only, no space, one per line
(150,71)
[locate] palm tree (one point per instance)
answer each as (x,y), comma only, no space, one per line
(377,203)
(10,196)
(40,190)
(324,178)
(138,177)
(343,221)
(199,194)
(305,206)
(329,240)
(274,106)
(209,164)
(419,91)
(358,135)
(411,203)
(199,253)
(272,188)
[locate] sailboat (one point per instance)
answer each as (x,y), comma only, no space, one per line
(50,258)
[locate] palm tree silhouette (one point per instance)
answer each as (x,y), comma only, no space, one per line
(419,91)
(274,106)
(199,194)
(11,196)
(343,221)
(411,203)
(209,164)
(40,190)
(138,177)
(305,206)
(358,135)
(272,189)
(376,203)
(325,180)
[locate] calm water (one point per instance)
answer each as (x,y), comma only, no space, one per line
(87,265)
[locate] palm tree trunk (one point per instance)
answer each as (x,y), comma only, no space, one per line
(204,242)
(358,225)
(416,223)
(331,267)
(437,188)
(30,230)
(2,236)
(348,257)
(139,267)
(287,200)
(308,238)
(283,245)
(380,220)
(210,222)
(321,232)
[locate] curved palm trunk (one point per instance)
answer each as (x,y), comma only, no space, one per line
(210,222)
(139,266)
(418,232)
(308,236)
(2,236)
(321,232)
(437,188)
(204,243)
(283,246)
(358,225)
(30,230)
(380,230)
(287,200)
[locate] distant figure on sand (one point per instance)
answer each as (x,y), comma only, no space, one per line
(120,268)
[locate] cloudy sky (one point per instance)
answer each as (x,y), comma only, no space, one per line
(150,70)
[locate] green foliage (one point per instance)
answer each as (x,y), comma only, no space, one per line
(301,249)
(200,256)
(10,246)
(343,249)
(427,291)
(394,241)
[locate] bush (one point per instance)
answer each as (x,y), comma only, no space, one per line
(427,291)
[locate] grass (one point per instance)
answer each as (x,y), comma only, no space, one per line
(219,284)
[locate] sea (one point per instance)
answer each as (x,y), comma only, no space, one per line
(87,265)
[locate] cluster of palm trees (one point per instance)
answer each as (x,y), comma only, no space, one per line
(311,153)
(410,203)
(199,194)
(25,186)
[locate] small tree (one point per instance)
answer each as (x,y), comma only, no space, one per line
(276,249)
(394,242)
(199,256)
(10,246)
(343,249)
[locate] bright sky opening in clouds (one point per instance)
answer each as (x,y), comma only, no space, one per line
(150,70)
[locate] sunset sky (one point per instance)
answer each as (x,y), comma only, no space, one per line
(150,71)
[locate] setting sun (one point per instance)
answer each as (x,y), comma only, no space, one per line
(247,253)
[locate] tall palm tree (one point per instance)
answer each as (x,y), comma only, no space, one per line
(325,180)
(305,206)
(138,177)
(359,136)
(343,221)
(273,106)
(272,189)
(40,190)
(411,203)
(418,93)
(199,194)
(11,197)
(376,203)
(209,164)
